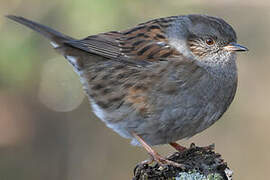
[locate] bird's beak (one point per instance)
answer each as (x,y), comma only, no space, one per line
(234,47)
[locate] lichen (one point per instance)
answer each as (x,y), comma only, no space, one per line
(197,176)
(199,163)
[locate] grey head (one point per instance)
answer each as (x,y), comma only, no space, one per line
(209,40)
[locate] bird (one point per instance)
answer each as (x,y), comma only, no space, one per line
(158,82)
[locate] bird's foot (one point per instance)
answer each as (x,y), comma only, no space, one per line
(160,160)
(178,147)
(164,161)
(207,148)
(155,156)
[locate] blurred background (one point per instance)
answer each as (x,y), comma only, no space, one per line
(47,129)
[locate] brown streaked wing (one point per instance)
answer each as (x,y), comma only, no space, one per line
(145,42)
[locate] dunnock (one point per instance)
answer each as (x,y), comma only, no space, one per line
(158,82)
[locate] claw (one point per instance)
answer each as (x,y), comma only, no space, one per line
(210,147)
(155,156)
(207,148)
(163,161)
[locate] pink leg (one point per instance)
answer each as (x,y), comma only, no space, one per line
(177,146)
(154,155)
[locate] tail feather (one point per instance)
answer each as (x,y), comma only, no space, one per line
(76,57)
(57,38)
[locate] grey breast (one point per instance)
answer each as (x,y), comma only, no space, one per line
(187,100)
(182,99)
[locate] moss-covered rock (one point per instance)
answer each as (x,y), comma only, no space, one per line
(200,164)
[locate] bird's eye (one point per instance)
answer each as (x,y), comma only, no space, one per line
(209,41)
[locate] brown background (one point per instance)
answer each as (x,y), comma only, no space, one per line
(47,129)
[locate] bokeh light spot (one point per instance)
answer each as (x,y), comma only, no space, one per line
(60,88)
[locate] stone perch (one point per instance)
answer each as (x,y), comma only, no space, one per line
(200,164)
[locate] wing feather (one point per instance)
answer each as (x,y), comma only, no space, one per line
(144,43)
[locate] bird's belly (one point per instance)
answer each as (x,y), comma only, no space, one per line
(172,121)
(180,123)
(170,115)
(189,112)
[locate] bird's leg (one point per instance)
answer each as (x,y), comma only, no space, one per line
(178,147)
(154,155)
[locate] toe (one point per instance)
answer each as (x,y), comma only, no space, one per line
(163,161)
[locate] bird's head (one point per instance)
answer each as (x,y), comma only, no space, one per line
(208,39)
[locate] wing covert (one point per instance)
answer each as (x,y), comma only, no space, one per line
(145,42)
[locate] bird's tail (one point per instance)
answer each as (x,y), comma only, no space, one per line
(57,39)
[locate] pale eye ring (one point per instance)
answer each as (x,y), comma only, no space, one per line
(210,41)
